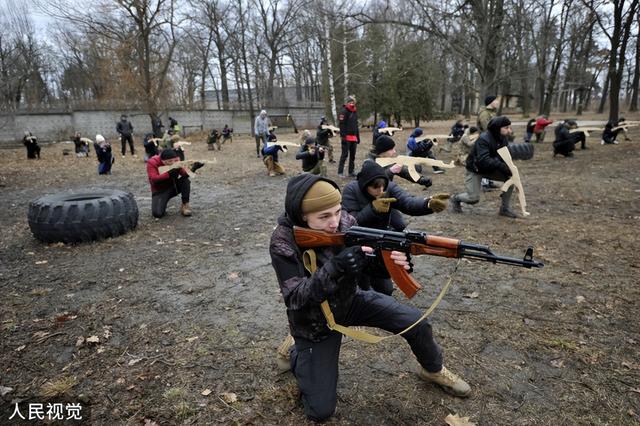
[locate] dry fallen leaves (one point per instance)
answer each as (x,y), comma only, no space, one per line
(206,392)
(473,295)
(191,339)
(93,339)
(557,363)
(452,420)
(229,397)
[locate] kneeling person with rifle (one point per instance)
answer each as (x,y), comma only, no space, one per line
(329,278)
(167,185)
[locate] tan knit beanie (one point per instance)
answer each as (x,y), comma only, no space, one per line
(321,196)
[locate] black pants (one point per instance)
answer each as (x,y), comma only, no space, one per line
(159,200)
(348,150)
(33,150)
(123,141)
(315,364)
(566,146)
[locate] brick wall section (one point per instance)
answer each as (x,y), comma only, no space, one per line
(54,126)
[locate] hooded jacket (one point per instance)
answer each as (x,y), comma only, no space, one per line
(357,201)
(309,160)
(301,291)
(418,149)
(483,158)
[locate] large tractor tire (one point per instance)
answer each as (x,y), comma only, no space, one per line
(521,151)
(83,216)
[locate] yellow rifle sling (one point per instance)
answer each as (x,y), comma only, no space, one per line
(310,264)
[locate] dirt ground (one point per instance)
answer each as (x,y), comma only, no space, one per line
(188,310)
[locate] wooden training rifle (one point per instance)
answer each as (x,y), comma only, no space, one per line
(411,162)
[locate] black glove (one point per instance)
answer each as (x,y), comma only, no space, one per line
(425,181)
(174,173)
(349,261)
(505,170)
(197,165)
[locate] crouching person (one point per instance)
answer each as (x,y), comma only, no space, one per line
(169,184)
(312,157)
(315,202)
(485,162)
(270,159)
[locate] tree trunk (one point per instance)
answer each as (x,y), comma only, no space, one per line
(345,62)
(332,93)
(633,105)
(246,64)
(605,94)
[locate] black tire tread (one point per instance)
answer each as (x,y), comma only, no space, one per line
(60,218)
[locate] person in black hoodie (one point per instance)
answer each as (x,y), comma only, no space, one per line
(314,202)
(566,140)
(349,135)
(125,130)
(312,156)
(322,138)
(484,161)
(376,202)
(31,142)
(385,147)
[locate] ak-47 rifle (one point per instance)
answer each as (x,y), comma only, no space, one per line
(334,130)
(284,145)
(586,130)
(624,125)
(434,138)
(411,162)
(389,130)
(186,164)
(415,243)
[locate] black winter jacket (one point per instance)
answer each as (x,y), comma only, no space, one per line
(124,128)
(303,292)
(309,160)
(357,201)
(348,123)
(484,159)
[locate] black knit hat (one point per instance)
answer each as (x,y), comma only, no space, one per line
(382,144)
(489,99)
(168,154)
(499,122)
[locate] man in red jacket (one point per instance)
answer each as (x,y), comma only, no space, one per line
(538,129)
(349,135)
(167,185)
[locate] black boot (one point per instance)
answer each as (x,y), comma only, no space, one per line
(505,209)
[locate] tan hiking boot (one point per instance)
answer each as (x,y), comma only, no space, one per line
(185,210)
(449,381)
(282,358)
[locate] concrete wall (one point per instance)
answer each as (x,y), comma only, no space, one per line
(59,126)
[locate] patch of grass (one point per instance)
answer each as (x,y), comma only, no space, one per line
(57,387)
(40,291)
(562,344)
(174,394)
